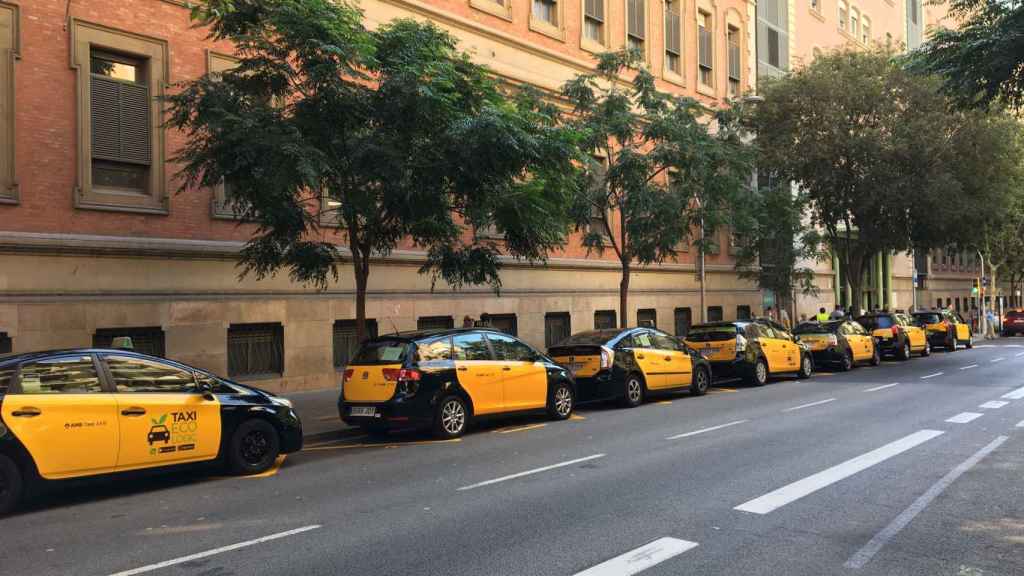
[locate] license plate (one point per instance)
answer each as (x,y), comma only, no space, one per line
(363,411)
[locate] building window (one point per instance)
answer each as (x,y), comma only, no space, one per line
(957,303)
(705,49)
(6,343)
(557,327)
(499,8)
(593,21)
(684,319)
(121,144)
(435,323)
(637,24)
(255,350)
(598,218)
(865,29)
(604,319)
(938,302)
(673,37)
(346,342)
(647,317)
(842,16)
(8,53)
(772,35)
(224,204)
(733,39)
(545,11)
(143,340)
(743,312)
(816,5)
(504,322)
(714,313)
(913,11)
(854,22)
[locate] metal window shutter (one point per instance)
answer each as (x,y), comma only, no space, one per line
(119,114)
(594,9)
(672,25)
(734,61)
(636,19)
(705,47)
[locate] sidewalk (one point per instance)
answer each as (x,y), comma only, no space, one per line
(318,410)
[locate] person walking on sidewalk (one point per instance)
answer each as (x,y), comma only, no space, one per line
(990,325)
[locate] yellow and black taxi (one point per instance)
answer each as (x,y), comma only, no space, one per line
(945,329)
(753,350)
(896,335)
(443,379)
(631,363)
(84,412)
(839,343)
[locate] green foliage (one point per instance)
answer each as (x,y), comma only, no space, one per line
(386,135)
(982,60)
(657,166)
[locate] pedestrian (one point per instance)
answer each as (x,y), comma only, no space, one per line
(972,316)
(838,313)
(784,319)
(990,328)
(467,321)
(769,313)
(822,315)
(803,317)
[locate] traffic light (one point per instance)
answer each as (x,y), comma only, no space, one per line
(974,287)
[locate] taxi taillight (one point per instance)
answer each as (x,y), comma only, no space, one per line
(406,374)
(348,374)
(895,331)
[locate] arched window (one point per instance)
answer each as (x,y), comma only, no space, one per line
(842,15)
(865,29)
(854,22)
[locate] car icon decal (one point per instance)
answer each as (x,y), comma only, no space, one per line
(158,433)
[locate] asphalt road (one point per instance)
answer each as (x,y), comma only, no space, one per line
(855,473)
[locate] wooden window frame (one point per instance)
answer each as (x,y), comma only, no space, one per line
(586,43)
(220,207)
(731,28)
(10,52)
(502,10)
(646,31)
(701,13)
(554,30)
(86,38)
(676,77)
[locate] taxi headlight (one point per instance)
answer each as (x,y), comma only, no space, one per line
(281,401)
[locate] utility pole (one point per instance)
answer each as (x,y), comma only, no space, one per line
(981,296)
(702,274)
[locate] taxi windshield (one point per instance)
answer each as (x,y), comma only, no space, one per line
(712,333)
(381,352)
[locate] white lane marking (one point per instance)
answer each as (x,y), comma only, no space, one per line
(1020,424)
(964,417)
(984,346)
(642,558)
(215,551)
(811,484)
(1014,395)
(883,387)
(993,404)
(865,554)
(932,375)
(969,366)
(703,430)
(997,359)
(534,471)
(802,406)
(1018,354)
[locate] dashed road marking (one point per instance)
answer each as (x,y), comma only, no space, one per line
(865,554)
(993,404)
(802,406)
(640,559)
(964,417)
(969,366)
(1020,424)
(534,471)
(882,387)
(519,428)
(811,484)
(932,375)
(703,430)
(215,551)
(1014,395)
(1000,359)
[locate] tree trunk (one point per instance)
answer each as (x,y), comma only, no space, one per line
(855,277)
(624,296)
(361,268)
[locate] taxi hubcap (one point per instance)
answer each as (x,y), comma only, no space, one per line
(634,390)
(453,417)
(563,401)
(254,447)
(762,374)
(702,381)
(807,365)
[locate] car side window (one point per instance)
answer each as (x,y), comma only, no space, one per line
(138,375)
(440,349)
(512,350)
(642,340)
(625,342)
(763,331)
(470,347)
(663,341)
(62,375)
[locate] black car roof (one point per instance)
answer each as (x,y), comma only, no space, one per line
(25,356)
(723,324)
(611,336)
(414,335)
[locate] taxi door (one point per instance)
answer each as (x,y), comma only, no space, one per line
(774,348)
(916,334)
(678,364)
(524,380)
(478,372)
(963,331)
(650,361)
(163,417)
(791,348)
(63,416)
(862,345)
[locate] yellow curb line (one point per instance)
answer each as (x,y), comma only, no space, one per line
(577,417)
(519,429)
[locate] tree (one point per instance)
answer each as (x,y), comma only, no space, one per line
(659,164)
(869,145)
(982,60)
(386,137)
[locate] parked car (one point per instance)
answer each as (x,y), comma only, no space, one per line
(1013,323)
(945,329)
(90,411)
(444,379)
(630,364)
(839,343)
(895,335)
(753,350)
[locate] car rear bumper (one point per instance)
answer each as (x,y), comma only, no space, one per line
(827,356)
(601,386)
(738,368)
(415,412)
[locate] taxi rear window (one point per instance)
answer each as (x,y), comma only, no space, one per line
(815,328)
(381,352)
(593,338)
(711,333)
(876,322)
(928,318)
(1015,314)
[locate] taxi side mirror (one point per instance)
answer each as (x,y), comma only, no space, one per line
(205,388)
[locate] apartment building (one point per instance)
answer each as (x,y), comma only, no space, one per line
(96,240)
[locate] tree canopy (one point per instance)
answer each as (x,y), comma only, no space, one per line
(385,136)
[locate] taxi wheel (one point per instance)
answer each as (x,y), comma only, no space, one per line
(954,346)
(759,375)
(451,418)
(904,353)
(560,404)
(927,349)
(846,364)
(876,357)
(254,447)
(635,389)
(970,341)
(701,382)
(806,368)
(11,485)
